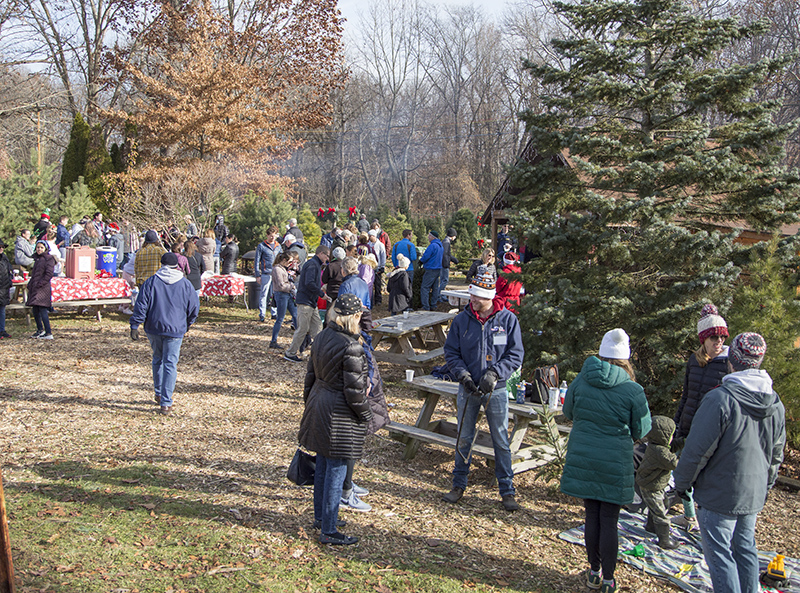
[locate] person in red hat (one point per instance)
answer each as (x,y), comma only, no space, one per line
(508,291)
(40,228)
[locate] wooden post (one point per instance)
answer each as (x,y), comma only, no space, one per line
(6,565)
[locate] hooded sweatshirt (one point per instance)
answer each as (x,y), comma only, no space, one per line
(167,304)
(735,445)
(658,461)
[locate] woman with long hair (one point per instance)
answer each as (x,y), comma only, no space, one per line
(282,288)
(39,295)
(609,412)
(337,412)
(487,261)
(196,265)
(704,371)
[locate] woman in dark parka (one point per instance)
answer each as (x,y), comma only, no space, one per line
(704,372)
(39,296)
(6,276)
(337,412)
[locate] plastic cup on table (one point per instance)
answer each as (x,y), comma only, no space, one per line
(399,325)
(405,314)
(409,375)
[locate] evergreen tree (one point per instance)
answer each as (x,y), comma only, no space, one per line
(26,193)
(256,214)
(466,225)
(311,231)
(76,202)
(98,163)
(767,302)
(656,150)
(74,165)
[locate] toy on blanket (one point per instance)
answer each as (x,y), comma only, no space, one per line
(775,575)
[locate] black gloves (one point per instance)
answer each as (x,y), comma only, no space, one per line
(134,333)
(488,381)
(686,495)
(468,383)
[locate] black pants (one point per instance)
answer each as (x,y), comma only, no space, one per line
(42,318)
(600,535)
(377,287)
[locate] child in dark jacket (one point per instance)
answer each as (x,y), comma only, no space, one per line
(652,477)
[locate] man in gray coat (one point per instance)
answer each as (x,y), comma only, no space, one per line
(731,458)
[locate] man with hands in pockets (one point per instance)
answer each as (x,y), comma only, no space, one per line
(483,348)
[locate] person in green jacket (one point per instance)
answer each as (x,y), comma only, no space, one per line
(652,477)
(609,412)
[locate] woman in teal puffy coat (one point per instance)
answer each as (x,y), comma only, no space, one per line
(609,412)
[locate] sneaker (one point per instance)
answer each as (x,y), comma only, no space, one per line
(38,334)
(261,319)
(593,579)
(165,410)
(359,490)
(510,503)
(46,337)
(687,523)
(353,502)
(292,357)
(275,346)
(454,495)
(338,539)
(5,334)
(608,586)
(339,523)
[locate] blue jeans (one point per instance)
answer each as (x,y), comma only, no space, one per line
(266,292)
(496,408)
(430,289)
(284,301)
(42,317)
(166,352)
(410,275)
(729,547)
(444,278)
(2,318)
(328,481)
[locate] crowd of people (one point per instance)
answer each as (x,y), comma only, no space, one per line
(722,449)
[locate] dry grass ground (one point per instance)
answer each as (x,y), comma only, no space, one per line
(78,412)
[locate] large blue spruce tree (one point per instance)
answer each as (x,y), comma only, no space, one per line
(661,152)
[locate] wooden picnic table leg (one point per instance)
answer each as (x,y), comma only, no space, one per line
(6,564)
(438,331)
(405,345)
(423,422)
(520,428)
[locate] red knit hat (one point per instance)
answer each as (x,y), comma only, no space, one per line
(711,323)
(45,215)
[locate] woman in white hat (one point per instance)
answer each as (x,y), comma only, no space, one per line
(609,412)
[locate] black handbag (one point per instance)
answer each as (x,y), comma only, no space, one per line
(301,469)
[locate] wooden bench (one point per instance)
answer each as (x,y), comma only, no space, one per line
(443,431)
(426,357)
(95,304)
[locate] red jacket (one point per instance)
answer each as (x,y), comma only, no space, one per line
(508,291)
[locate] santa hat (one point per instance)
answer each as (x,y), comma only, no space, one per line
(616,344)
(510,258)
(113,225)
(45,215)
(711,323)
(483,284)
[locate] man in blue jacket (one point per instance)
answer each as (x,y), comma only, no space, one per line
(266,252)
(167,305)
(309,289)
(483,349)
(407,248)
(431,260)
(731,458)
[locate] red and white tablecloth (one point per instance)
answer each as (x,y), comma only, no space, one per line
(223,286)
(71,289)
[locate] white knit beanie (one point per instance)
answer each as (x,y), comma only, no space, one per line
(615,344)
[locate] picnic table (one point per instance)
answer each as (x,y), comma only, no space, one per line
(443,431)
(416,340)
(91,293)
(457,298)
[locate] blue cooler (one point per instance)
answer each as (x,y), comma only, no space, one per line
(107,260)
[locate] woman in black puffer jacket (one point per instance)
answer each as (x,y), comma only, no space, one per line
(704,372)
(337,412)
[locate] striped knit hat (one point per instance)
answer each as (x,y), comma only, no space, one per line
(711,323)
(483,284)
(747,351)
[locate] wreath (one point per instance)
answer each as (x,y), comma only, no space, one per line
(328,215)
(352,213)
